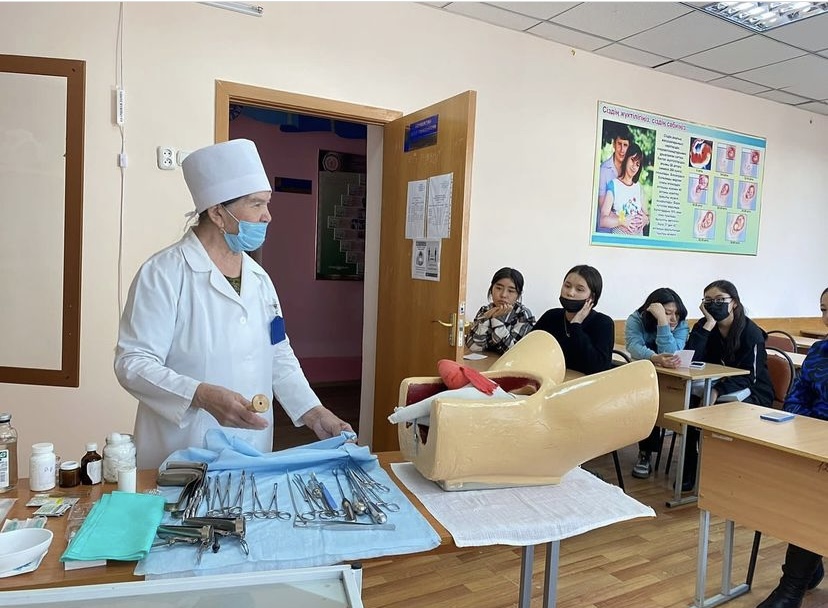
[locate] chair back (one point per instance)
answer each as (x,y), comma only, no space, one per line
(621,355)
(781,340)
(782,373)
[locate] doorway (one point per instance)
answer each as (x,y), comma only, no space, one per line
(315,248)
(340,397)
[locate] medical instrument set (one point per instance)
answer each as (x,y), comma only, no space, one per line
(233,498)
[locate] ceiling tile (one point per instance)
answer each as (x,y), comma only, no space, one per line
(782,97)
(617,20)
(745,54)
(810,34)
(737,84)
(815,106)
(569,37)
(492,14)
(677,68)
(806,76)
(691,33)
(631,55)
(540,10)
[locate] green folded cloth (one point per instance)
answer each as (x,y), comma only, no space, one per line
(120,526)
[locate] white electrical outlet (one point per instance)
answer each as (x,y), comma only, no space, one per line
(166,158)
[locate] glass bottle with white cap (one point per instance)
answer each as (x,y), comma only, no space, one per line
(118,453)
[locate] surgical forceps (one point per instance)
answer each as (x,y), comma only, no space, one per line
(272,511)
(366,479)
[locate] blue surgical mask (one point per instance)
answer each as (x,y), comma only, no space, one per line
(250,237)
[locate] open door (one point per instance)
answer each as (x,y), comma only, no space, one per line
(412,313)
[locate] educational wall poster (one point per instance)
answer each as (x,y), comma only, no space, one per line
(664,183)
(425,259)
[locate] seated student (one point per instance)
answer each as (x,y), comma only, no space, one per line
(655,332)
(803,569)
(498,325)
(726,336)
(586,336)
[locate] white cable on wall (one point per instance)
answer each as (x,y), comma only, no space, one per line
(122,157)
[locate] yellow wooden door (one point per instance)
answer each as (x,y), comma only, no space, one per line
(410,340)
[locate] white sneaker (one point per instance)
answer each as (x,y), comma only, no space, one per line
(642,469)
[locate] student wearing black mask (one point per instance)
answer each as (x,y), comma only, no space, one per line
(586,336)
(726,336)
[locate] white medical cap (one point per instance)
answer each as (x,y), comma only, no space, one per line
(224,171)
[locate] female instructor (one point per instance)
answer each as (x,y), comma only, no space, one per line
(202,331)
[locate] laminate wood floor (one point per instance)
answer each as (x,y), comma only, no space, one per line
(645,563)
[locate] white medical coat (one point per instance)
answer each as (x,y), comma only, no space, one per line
(184,324)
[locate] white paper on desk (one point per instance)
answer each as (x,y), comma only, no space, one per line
(474,356)
(523,516)
(686,357)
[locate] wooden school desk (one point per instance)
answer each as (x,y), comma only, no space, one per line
(766,476)
(674,388)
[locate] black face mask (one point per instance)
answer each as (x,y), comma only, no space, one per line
(719,311)
(571,305)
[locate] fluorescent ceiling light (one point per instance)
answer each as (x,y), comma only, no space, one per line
(238,7)
(764,16)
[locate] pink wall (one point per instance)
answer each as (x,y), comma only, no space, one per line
(322,318)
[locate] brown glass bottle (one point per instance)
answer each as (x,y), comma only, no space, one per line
(90,469)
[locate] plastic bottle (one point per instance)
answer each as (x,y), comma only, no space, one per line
(42,467)
(118,453)
(91,465)
(8,454)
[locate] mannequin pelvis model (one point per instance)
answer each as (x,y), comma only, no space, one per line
(528,439)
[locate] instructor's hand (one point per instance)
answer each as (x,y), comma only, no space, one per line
(228,407)
(324,422)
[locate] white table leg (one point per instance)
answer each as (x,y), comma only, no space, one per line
(727,592)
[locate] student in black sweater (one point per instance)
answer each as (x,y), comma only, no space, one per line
(586,336)
(726,336)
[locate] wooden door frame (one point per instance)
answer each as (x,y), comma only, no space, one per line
(233,92)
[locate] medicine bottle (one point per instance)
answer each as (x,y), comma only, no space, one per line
(118,453)
(69,475)
(8,454)
(91,466)
(42,467)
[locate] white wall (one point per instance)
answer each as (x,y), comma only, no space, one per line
(532,175)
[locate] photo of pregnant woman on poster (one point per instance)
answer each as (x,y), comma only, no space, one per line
(616,141)
(625,210)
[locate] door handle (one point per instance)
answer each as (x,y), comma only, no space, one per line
(452,327)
